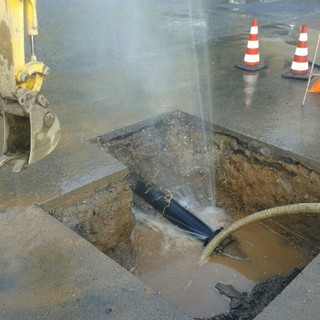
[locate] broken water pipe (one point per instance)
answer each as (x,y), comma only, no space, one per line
(173,211)
(163,201)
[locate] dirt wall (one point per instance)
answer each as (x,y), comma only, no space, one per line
(105,219)
(251,178)
(242,174)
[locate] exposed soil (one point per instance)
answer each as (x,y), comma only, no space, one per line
(243,175)
(247,305)
(105,219)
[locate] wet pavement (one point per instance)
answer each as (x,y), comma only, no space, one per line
(49,272)
(115,63)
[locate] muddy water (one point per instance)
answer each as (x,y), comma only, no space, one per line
(167,261)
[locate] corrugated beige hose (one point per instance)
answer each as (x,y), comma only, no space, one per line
(261,215)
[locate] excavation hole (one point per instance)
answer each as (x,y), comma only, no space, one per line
(220,176)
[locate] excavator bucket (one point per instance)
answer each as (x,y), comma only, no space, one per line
(31,130)
(28,136)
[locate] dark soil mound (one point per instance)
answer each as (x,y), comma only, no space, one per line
(247,305)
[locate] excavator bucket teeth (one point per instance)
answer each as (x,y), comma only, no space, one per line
(29,137)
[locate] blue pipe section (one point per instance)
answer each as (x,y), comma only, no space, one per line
(174,212)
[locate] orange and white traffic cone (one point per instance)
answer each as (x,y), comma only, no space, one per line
(300,67)
(251,60)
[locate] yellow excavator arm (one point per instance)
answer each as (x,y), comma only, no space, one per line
(31,130)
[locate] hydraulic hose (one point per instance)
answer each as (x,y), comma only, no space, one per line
(258,216)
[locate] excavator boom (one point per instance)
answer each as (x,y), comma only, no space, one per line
(31,130)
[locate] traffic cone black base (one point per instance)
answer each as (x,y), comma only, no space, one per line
(251,68)
(297,76)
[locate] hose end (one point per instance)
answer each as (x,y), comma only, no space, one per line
(210,238)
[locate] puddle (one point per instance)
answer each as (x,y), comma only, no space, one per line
(203,167)
(169,265)
(164,252)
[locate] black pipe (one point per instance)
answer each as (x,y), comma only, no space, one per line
(174,212)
